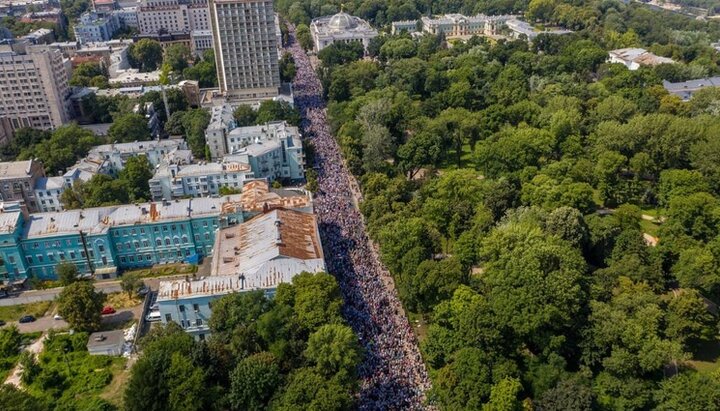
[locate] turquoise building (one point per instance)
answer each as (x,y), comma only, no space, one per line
(106,240)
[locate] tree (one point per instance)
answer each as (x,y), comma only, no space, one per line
(67,273)
(67,144)
(136,174)
(203,72)
(335,351)
(146,54)
(339,53)
(674,392)
(377,148)
(194,123)
(10,340)
(688,320)
(80,305)
(567,395)
(14,399)
(253,382)
(176,56)
(308,390)
(287,68)
(271,110)
(148,388)
(130,283)
(245,115)
(401,48)
(317,300)
(100,190)
(186,383)
(129,127)
(503,396)
(302,33)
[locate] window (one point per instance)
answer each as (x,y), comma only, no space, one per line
(158,242)
(72,255)
(51,257)
(167,241)
(201,337)
(182,308)
(168,317)
(11,259)
(40,258)
(198,322)
(101,248)
(196,307)
(29,259)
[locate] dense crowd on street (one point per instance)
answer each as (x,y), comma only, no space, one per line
(392,375)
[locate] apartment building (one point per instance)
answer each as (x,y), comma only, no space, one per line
(17,182)
(197,180)
(47,193)
(93,27)
(172,16)
(34,88)
(244,35)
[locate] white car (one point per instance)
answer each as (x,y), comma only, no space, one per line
(153,316)
(57,317)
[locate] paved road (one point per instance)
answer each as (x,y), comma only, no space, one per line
(33,296)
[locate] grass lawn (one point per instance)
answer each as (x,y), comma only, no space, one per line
(419,325)
(708,358)
(466,159)
(165,270)
(14,312)
(120,300)
(649,227)
(114,391)
(68,377)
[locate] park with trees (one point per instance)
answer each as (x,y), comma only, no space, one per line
(550,220)
(293,351)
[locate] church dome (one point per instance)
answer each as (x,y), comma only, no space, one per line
(342,21)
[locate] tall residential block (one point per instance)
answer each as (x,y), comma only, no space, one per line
(34,89)
(245,48)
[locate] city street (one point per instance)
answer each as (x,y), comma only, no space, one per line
(33,296)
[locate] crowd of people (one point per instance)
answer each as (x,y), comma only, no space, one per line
(393,375)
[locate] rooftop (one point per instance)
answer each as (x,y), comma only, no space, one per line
(103,339)
(49,183)
(257,195)
(99,220)
(341,23)
(15,169)
(269,248)
(640,56)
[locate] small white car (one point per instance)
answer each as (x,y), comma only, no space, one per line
(57,317)
(153,316)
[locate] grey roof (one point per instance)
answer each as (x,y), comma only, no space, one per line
(99,220)
(106,339)
(49,183)
(137,146)
(691,85)
(15,169)
(8,221)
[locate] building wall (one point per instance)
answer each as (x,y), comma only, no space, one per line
(246,48)
(34,88)
(23,188)
(192,314)
(48,200)
(122,247)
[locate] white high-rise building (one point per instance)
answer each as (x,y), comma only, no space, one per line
(33,88)
(246,52)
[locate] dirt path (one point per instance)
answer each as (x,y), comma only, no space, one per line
(35,348)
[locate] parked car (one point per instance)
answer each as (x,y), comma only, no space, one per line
(26,319)
(153,316)
(154,307)
(107,310)
(57,317)
(142,291)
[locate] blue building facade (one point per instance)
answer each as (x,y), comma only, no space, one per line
(107,240)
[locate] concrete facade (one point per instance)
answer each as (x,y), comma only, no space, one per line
(34,88)
(245,41)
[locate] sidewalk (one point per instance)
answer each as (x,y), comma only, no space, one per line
(35,348)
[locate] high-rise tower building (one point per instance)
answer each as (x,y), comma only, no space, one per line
(245,48)
(34,88)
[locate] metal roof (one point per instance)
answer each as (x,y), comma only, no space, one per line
(276,244)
